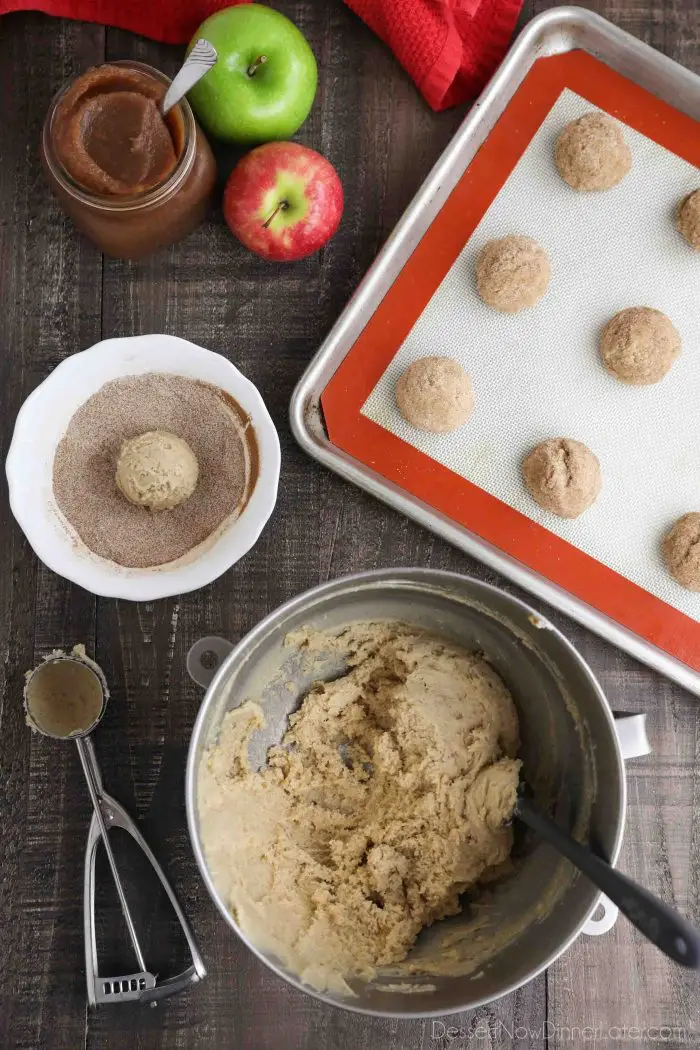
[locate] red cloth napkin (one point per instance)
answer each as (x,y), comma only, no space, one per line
(449,47)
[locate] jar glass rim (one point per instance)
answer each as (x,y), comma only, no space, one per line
(128,202)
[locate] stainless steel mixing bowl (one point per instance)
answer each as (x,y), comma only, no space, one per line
(569,749)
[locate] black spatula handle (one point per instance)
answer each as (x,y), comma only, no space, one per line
(659,923)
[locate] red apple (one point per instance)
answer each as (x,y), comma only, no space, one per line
(283,201)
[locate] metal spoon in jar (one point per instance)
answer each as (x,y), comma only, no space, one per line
(200,60)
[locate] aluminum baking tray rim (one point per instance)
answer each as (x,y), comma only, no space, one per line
(553,32)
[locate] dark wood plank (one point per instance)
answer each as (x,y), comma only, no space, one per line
(371,123)
(50,292)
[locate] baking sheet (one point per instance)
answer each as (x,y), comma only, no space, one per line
(537,374)
(565,47)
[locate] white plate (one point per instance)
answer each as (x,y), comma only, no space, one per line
(42,422)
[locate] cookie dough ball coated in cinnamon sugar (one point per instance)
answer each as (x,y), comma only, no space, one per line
(638,345)
(681,551)
(157,470)
(688,219)
(563,476)
(435,394)
(591,153)
(512,273)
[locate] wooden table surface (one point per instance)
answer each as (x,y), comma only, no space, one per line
(58,296)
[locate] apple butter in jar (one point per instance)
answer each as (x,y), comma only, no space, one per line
(131,179)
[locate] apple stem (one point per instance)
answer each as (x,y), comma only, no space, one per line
(282,206)
(255,66)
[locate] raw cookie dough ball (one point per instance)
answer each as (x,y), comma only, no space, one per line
(639,345)
(157,470)
(563,476)
(591,153)
(681,551)
(435,394)
(688,219)
(512,273)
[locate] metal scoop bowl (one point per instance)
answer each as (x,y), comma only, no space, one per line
(65,698)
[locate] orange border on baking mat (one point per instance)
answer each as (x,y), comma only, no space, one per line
(366,361)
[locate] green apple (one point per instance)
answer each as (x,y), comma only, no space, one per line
(264,81)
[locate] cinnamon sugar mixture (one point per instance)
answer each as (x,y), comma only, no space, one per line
(213,425)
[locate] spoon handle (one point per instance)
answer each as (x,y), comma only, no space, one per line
(200,60)
(659,923)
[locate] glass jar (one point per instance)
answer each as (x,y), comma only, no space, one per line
(132,226)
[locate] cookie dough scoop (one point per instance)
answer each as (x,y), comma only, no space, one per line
(65,698)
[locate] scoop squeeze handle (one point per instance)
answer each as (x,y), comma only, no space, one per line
(142,986)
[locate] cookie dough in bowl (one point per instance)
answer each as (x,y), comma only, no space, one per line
(351,770)
(390,794)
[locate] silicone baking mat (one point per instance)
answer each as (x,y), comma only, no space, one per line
(537,374)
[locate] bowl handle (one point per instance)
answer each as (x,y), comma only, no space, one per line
(631,734)
(634,742)
(206,657)
(595,927)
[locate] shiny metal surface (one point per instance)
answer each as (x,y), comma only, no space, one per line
(569,750)
(200,60)
(558,30)
(142,986)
